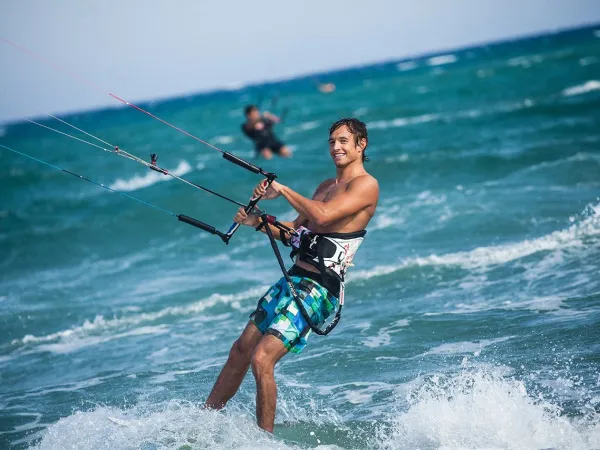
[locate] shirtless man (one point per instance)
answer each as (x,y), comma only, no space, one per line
(335,221)
(259,129)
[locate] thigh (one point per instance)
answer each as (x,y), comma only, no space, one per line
(250,337)
(270,350)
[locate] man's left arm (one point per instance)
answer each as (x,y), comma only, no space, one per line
(359,194)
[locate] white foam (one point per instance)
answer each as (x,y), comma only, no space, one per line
(78,342)
(172,425)
(306,126)
(403,157)
(152,177)
(441,60)
(454,348)
(403,121)
(383,221)
(483,257)
(100,324)
(222,140)
(384,335)
(407,65)
(485,409)
(588,86)
(588,60)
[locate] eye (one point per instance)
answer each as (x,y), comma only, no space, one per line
(331,141)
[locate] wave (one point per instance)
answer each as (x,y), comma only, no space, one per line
(525,61)
(588,86)
(450,116)
(99,324)
(441,60)
(140,182)
(485,408)
(483,257)
(306,126)
(403,121)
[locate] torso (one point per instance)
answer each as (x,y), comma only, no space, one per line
(260,132)
(327,191)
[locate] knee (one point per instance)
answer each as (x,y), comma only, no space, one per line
(261,362)
(240,351)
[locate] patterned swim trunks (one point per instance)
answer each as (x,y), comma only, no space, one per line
(277,312)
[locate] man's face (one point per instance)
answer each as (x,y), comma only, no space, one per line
(253,115)
(343,148)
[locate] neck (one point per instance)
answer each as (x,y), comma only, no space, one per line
(350,171)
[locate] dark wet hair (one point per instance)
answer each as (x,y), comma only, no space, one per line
(357,128)
(249,108)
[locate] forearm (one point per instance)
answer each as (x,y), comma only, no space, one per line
(313,210)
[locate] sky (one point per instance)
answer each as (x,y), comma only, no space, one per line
(143,50)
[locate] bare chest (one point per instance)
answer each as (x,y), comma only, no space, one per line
(329,192)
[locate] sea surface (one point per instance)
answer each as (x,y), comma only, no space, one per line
(472,315)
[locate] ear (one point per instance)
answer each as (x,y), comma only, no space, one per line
(362,144)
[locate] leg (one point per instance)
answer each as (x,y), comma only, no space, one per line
(266,354)
(235,368)
(285,152)
(266,153)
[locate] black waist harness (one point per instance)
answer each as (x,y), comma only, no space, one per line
(331,253)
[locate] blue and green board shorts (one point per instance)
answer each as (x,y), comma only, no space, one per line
(277,312)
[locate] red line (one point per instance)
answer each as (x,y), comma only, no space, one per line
(98,88)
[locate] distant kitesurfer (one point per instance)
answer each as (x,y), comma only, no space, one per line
(259,128)
(328,230)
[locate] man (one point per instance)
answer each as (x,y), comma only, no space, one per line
(331,226)
(259,128)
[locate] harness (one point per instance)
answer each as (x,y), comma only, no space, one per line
(330,253)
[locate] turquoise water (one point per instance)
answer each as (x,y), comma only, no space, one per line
(473,312)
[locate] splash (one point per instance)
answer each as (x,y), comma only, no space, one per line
(174,425)
(481,408)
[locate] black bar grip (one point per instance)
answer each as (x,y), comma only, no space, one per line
(242,163)
(197,223)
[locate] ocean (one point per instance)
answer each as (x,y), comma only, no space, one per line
(472,316)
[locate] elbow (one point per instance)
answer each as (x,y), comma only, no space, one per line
(322,220)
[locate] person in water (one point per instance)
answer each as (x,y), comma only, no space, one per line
(259,128)
(330,227)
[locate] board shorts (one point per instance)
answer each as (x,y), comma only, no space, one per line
(277,312)
(273,144)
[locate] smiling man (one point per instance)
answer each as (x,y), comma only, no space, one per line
(329,229)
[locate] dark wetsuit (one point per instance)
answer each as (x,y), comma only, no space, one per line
(264,138)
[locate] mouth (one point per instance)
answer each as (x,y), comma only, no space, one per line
(338,155)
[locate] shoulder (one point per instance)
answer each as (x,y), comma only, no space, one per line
(364,182)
